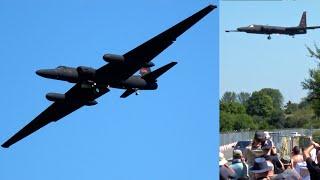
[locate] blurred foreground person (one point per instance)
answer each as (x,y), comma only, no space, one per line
(239,165)
(225,171)
(261,169)
(260,147)
(289,173)
(274,159)
(296,156)
(314,168)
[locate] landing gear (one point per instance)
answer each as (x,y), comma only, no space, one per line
(269,37)
(88,85)
(95,88)
(91,85)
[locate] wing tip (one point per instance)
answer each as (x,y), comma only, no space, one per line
(211,6)
(4,145)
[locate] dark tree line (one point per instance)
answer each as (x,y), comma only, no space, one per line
(265,109)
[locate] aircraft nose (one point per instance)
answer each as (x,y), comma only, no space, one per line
(42,72)
(241,29)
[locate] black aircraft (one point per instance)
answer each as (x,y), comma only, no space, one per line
(265,29)
(119,72)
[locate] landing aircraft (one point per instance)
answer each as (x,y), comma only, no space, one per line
(265,29)
(119,72)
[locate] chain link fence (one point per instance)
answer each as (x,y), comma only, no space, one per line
(276,135)
(283,139)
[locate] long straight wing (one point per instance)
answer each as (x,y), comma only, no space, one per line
(150,49)
(145,52)
(55,112)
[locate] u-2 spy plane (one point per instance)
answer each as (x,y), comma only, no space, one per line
(119,72)
(265,29)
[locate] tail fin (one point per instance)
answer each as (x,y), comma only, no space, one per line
(303,21)
(152,76)
(144,70)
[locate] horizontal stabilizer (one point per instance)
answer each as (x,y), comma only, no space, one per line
(152,76)
(313,27)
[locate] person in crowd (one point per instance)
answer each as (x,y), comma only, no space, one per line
(261,169)
(274,159)
(225,171)
(289,173)
(259,148)
(296,156)
(302,170)
(314,168)
(260,141)
(239,165)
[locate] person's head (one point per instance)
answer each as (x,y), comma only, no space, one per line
(266,147)
(260,136)
(237,154)
(295,150)
(260,168)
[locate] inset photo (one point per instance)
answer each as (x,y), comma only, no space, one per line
(269,89)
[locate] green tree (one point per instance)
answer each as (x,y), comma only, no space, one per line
(314,53)
(312,84)
(232,107)
(261,122)
(243,122)
(260,104)
(276,96)
(304,103)
(236,122)
(229,97)
(243,98)
(226,122)
(290,107)
(302,117)
(277,119)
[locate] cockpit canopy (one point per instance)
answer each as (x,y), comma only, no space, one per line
(61,67)
(251,26)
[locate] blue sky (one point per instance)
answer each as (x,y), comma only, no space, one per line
(170,133)
(249,62)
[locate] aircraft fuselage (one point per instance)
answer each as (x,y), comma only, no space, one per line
(88,74)
(264,29)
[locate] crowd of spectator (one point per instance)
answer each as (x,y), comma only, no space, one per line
(260,161)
